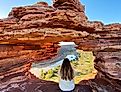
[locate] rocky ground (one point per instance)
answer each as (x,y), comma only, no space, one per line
(31,34)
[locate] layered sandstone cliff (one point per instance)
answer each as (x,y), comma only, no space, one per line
(31,34)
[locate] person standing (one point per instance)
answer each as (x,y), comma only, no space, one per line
(66,83)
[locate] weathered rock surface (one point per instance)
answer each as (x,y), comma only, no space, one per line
(31,34)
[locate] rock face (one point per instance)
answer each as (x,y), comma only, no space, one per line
(31,34)
(109,71)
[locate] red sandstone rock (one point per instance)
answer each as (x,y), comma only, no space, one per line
(109,66)
(31,34)
(44,4)
(68,4)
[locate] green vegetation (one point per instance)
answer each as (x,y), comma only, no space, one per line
(51,74)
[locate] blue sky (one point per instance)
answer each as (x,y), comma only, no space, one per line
(107,11)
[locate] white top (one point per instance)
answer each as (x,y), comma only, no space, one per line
(66,85)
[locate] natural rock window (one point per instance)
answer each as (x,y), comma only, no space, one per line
(82,63)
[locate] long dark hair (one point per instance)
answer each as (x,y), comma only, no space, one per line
(66,71)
